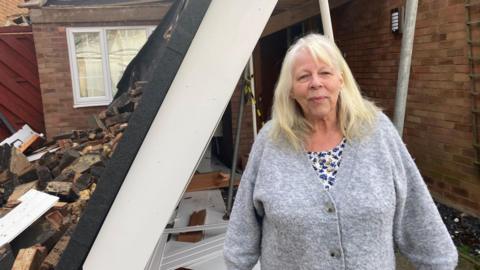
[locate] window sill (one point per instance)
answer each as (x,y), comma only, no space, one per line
(91,104)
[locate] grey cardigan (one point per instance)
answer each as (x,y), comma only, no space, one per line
(283,215)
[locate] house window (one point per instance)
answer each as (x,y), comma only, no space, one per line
(98,57)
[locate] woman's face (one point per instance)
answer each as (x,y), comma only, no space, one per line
(316,87)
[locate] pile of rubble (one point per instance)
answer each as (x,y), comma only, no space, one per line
(68,167)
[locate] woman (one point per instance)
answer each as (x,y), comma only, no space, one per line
(329,183)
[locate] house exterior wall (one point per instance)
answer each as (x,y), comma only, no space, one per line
(246,133)
(438,124)
(49,30)
(55,81)
(55,75)
(9,8)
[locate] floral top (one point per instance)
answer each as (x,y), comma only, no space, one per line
(326,163)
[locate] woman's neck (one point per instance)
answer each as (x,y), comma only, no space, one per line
(325,125)
(326,134)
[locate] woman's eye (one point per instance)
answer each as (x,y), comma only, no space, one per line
(303,77)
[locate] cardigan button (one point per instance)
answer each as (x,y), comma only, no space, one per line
(330,208)
(335,254)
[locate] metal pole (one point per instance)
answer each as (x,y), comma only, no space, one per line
(235,151)
(254,105)
(326,19)
(405,64)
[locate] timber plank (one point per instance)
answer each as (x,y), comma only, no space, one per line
(197,218)
(15,29)
(15,44)
(10,60)
(206,181)
(29,258)
(290,17)
(31,97)
(14,120)
(19,108)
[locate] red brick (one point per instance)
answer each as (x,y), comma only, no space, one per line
(9,8)
(438,119)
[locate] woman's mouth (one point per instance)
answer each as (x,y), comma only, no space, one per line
(317,99)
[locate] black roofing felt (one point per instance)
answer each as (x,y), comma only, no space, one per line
(158,61)
(100,2)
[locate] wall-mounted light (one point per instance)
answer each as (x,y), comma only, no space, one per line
(396,20)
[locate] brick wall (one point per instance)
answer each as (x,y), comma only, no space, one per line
(8,8)
(55,78)
(438,126)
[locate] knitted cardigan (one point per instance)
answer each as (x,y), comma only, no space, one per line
(283,215)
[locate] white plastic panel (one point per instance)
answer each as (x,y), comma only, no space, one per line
(179,134)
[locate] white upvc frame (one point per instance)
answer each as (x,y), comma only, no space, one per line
(79,101)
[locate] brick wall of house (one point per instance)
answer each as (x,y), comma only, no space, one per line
(9,8)
(55,78)
(438,126)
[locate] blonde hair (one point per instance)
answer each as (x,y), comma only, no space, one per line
(355,114)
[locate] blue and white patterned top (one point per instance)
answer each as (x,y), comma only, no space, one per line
(326,163)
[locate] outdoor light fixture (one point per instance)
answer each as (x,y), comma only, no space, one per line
(395,18)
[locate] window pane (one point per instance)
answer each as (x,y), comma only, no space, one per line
(89,64)
(123,45)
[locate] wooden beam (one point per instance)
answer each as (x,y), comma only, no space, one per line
(29,258)
(206,181)
(18,192)
(291,17)
(197,218)
(336,3)
(53,257)
(15,29)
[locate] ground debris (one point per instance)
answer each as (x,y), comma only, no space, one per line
(464,230)
(68,167)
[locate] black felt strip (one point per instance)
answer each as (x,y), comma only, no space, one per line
(186,17)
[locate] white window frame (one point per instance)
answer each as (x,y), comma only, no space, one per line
(79,101)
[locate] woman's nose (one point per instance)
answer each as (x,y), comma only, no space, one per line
(316,81)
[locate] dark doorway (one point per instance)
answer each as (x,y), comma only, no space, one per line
(268,57)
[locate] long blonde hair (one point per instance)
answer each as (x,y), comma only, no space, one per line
(355,114)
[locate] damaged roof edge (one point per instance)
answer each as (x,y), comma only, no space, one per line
(155,91)
(100,14)
(100,3)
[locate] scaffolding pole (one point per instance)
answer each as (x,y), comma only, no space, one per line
(236,148)
(405,64)
(326,19)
